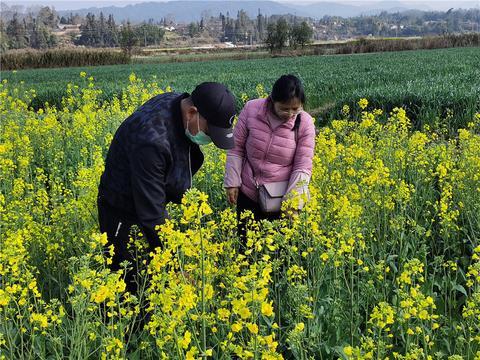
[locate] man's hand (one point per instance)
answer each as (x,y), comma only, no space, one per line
(232,195)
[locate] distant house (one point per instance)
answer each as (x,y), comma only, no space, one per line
(67,29)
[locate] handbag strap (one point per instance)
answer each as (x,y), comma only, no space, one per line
(296,127)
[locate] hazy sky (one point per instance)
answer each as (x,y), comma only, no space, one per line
(63,4)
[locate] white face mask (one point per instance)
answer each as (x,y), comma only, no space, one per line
(200,138)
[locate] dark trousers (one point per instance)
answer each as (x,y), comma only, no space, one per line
(117,225)
(245,203)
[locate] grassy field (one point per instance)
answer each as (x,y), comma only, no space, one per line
(195,57)
(427,82)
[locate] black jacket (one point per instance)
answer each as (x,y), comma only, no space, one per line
(150,162)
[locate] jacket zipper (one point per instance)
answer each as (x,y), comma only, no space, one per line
(118,228)
(190,166)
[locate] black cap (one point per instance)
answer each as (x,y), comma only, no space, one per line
(216,104)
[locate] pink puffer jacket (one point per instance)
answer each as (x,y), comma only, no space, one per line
(271,152)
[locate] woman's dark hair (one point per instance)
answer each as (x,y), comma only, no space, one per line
(286,88)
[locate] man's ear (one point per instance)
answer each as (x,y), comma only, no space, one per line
(192,110)
(190,113)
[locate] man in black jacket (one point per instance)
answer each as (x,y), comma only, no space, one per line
(152,158)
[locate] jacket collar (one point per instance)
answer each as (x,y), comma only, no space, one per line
(177,112)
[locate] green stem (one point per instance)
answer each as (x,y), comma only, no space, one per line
(204,325)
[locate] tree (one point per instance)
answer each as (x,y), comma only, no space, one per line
(260,25)
(39,36)
(277,35)
(301,34)
(3,37)
(283,31)
(74,19)
(111,32)
(222,19)
(229,32)
(16,33)
(270,39)
(47,17)
(127,38)
(244,27)
(101,28)
(89,35)
(149,34)
(193,29)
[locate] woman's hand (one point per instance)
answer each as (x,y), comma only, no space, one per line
(232,195)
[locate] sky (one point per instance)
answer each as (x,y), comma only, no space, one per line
(72,5)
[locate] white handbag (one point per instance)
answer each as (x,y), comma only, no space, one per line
(270,196)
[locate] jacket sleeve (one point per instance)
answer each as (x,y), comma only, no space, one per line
(298,188)
(148,171)
(236,155)
(306,143)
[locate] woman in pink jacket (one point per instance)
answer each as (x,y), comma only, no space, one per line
(274,141)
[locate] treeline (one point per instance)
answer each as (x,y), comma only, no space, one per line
(30,30)
(37,31)
(400,24)
(281,34)
(242,29)
(104,32)
(276,32)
